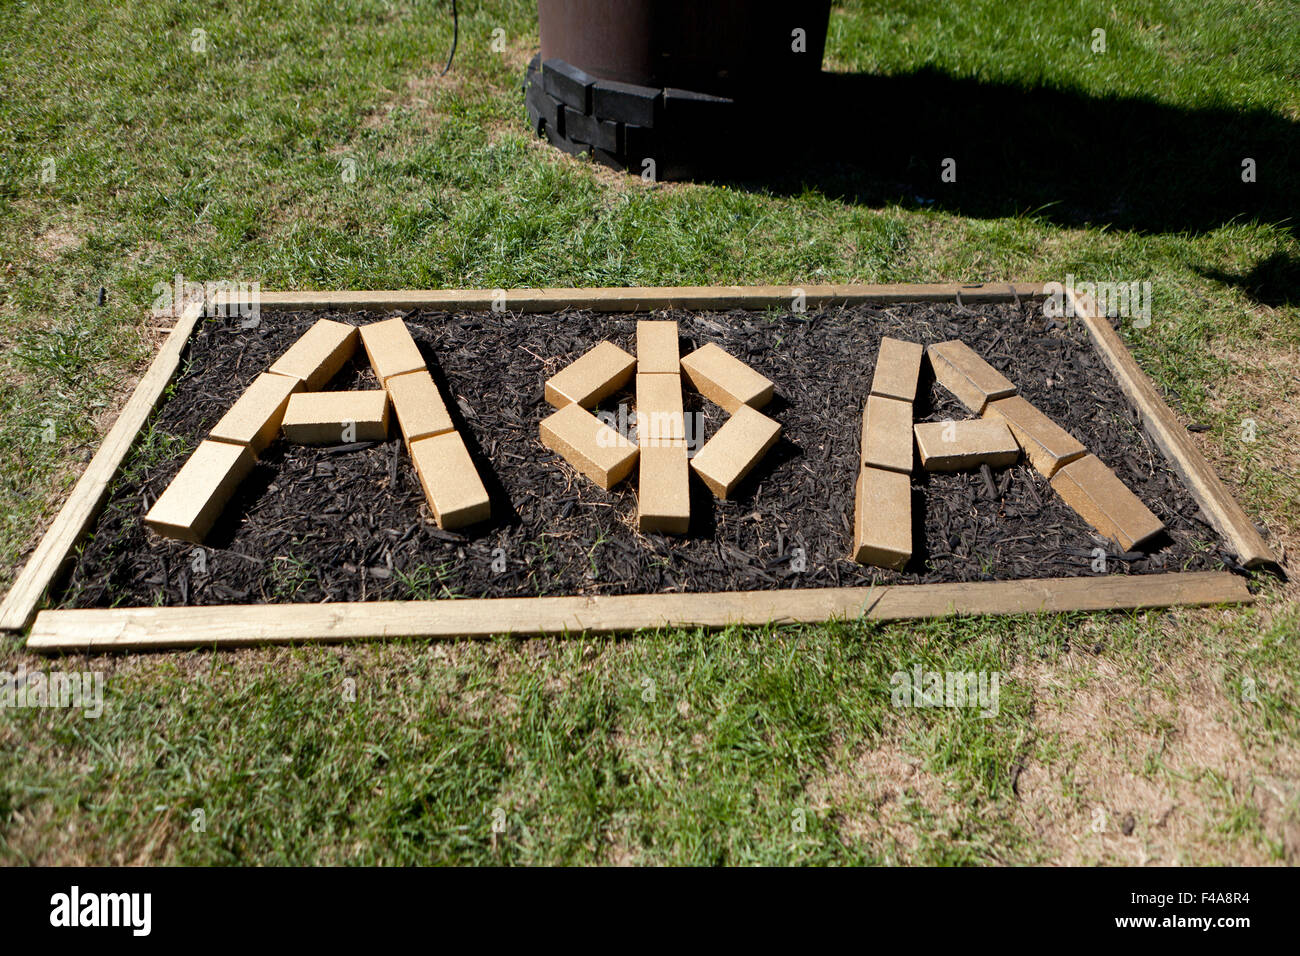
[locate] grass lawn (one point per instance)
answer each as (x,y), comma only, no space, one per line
(129,156)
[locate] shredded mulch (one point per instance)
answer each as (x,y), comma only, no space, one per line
(350,523)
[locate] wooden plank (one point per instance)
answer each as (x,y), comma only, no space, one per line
(451,483)
(882,518)
(725,380)
(195,498)
(965,373)
(254,419)
(1099,497)
(1220,508)
(1046,444)
(735,449)
(960,445)
(597,374)
(589,445)
(649,299)
(87,498)
(886,434)
(663,498)
(333,418)
(319,354)
(898,369)
(391,349)
(657,349)
(159,628)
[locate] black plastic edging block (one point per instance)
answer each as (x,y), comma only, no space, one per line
(588,129)
(606,158)
(535,120)
(568,145)
(568,84)
(639,142)
(550,109)
(625,102)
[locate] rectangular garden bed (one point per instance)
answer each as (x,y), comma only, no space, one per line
(335,542)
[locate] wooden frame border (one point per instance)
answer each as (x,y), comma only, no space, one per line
(652,298)
(159,628)
(1216,501)
(83,505)
(241,625)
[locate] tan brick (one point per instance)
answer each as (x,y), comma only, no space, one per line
(1105,502)
(599,373)
(898,368)
(735,449)
(659,416)
(451,483)
(656,346)
(324,418)
(316,357)
(725,380)
(589,445)
(418,405)
(887,434)
(189,506)
(391,349)
(958,368)
(956,446)
(254,419)
(664,491)
(882,519)
(1047,445)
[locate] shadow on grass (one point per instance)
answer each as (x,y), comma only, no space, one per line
(1075,160)
(1273,281)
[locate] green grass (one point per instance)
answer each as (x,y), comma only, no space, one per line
(229,165)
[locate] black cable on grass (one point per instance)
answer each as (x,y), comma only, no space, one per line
(455,35)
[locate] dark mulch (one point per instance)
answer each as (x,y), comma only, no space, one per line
(351,524)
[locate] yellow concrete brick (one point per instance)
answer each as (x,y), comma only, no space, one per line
(958,368)
(725,380)
(898,368)
(451,483)
(1047,445)
(599,373)
(956,446)
(318,355)
(664,490)
(735,449)
(1105,502)
(887,434)
(418,405)
(391,349)
(882,519)
(189,506)
(254,419)
(589,445)
(335,418)
(656,346)
(659,416)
